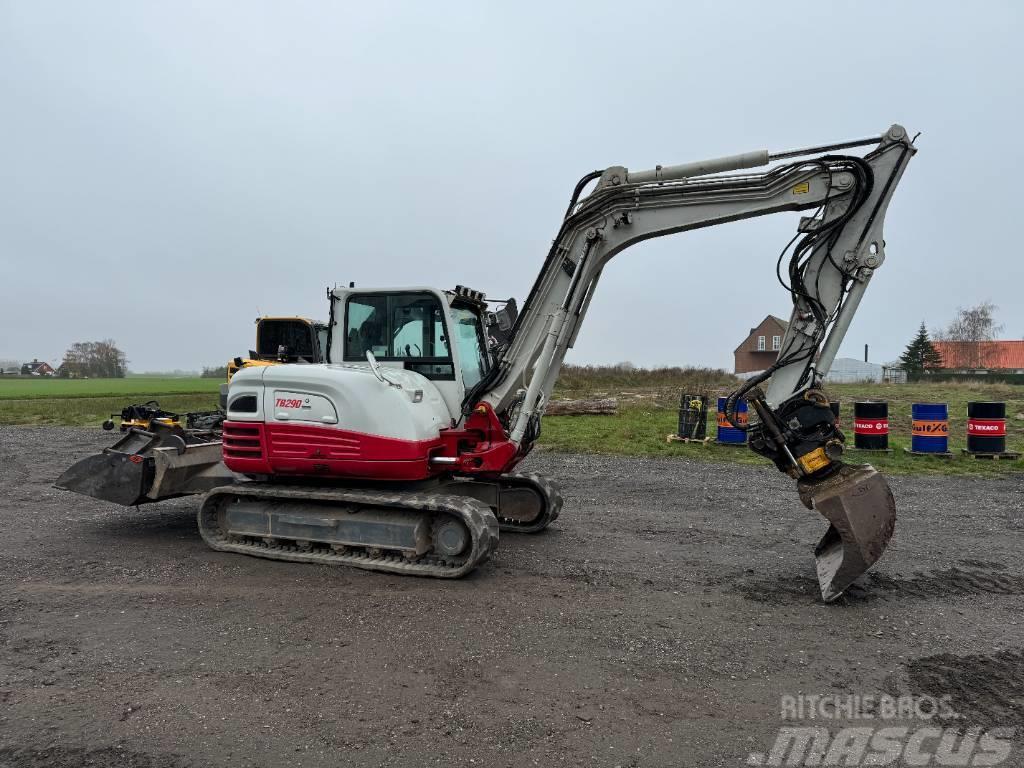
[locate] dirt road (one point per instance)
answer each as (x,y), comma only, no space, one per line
(658,623)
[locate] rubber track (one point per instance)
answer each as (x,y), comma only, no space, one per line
(548,491)
(477,516)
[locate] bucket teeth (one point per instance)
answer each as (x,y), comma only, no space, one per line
(857,502)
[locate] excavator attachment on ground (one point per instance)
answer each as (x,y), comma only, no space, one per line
(164,454)
(148,466)
(861,511)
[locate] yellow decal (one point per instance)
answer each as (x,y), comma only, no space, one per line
(802,188)
(815,460)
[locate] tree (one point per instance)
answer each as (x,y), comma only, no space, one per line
(974,325)
(96,359)
(215,372)
(920,355)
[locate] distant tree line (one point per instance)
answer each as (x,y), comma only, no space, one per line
(215,372)
(94,360)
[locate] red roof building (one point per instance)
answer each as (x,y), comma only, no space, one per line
(977,355)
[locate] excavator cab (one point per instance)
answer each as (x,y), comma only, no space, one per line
(440,335)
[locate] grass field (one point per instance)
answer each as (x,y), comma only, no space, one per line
(86,402)
(648,406)
(48,389)
(648,411)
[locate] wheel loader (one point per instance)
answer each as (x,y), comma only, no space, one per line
(399,452)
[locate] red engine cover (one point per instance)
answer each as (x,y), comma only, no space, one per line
(309,450)
(255,448)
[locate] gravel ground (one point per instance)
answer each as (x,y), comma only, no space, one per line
(657,623)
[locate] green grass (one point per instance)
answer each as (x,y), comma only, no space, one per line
(648,411)
(648,404)
(136,386)
(87,402)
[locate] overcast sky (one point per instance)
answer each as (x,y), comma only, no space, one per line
(168,171)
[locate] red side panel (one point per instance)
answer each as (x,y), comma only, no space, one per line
(304,449)
(481,447)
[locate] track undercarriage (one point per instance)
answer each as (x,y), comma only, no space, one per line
(441,529)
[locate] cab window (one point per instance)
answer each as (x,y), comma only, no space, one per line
(284,337)
(399,327)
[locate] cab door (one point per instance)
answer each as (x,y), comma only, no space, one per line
(403,329)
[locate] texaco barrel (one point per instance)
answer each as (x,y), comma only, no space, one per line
(986,427)
(871,426)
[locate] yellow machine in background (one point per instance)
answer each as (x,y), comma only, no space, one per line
(284,340)
(278,340)
(281,340)
(142,416)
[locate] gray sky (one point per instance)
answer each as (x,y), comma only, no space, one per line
(169,170)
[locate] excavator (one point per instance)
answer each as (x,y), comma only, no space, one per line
(399,452)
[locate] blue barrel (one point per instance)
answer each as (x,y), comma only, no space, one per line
(727,433)
(930,431)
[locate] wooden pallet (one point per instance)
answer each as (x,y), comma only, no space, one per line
(1005,455)
(678,439)
(943,455)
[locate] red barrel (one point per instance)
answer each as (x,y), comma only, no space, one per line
(871,426)
(986,427)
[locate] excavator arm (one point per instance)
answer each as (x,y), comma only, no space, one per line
(833,257)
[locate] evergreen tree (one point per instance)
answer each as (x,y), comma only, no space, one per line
(920,355)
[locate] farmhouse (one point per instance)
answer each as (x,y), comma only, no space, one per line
(37,368)
(759,350)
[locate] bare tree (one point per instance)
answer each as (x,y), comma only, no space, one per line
(95,359)
(973,326)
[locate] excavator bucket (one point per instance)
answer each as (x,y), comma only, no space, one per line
(144,467)
(857,502)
